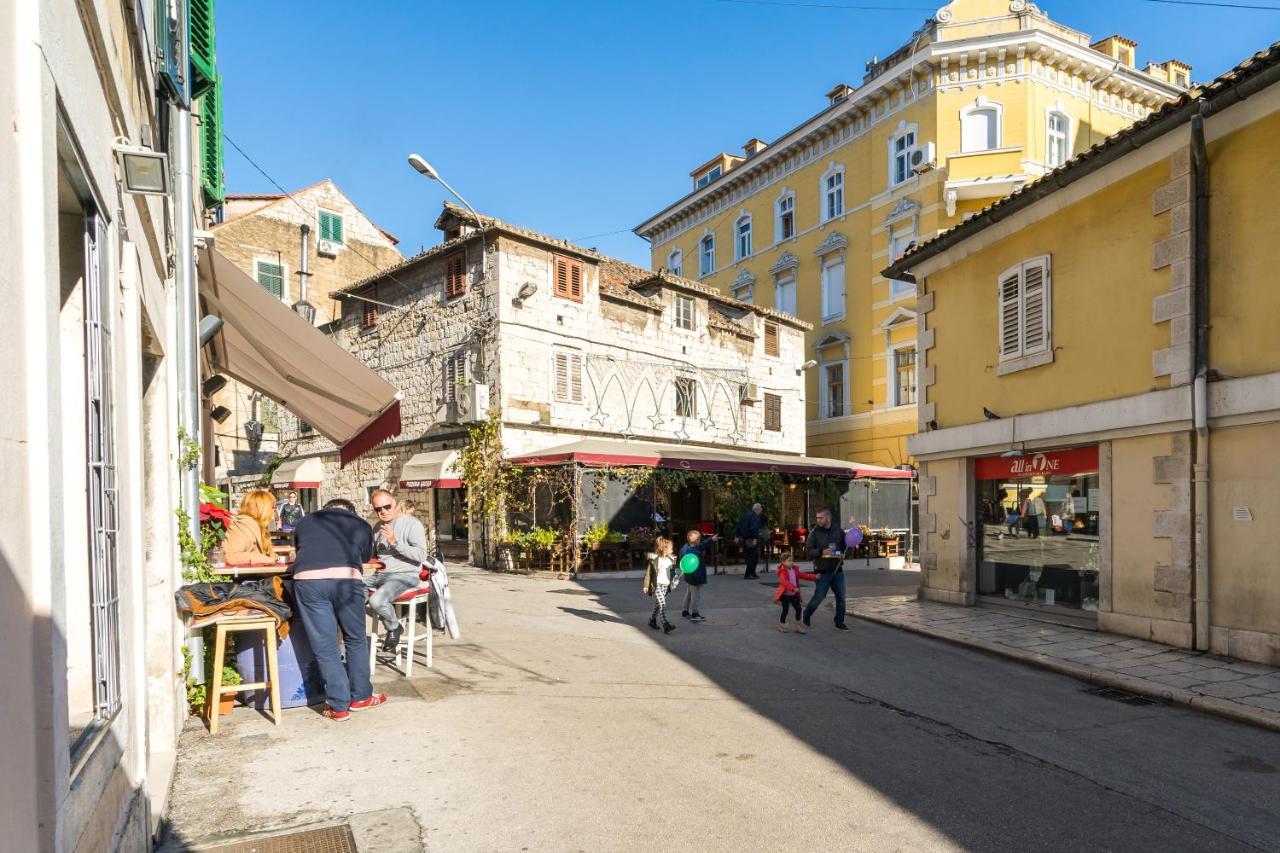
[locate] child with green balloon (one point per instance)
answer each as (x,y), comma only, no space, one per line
(692,565)
(660,578)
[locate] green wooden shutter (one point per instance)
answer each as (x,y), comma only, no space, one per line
(211,177)
(330,227)
(204,61)
(271,276)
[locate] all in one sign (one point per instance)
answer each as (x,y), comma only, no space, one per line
(1048,463)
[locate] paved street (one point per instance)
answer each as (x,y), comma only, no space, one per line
(562,723)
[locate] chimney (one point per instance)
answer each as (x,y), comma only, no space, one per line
(754,146)
(302,307)
(1118,47)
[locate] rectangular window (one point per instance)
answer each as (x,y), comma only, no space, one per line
(686,398)
(684,312)
(770,338)
(707,178)
(270,276)
(567,368)
(787,218)
(331,227)
(835,195)
(833,290)
(899,245)
(1025,303)
(708,255)
(744,238)
(368,315)
(453,375)
(675,263)
(568,278)
(1058,145)
(904,375)
(834,396)
(900,162)
(784,295)
(455,275)
(773,412)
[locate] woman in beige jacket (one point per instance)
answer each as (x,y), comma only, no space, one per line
(248,538)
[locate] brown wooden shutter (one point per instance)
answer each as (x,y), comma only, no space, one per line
(568,278)
(770,338)
(370,317)
(456,275)
(561,277)
(575,281)
(772,412)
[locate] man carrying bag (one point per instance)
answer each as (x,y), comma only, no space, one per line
(825,546)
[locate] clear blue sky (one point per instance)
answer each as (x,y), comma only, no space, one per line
(572,117)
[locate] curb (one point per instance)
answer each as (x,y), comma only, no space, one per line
(1173,695)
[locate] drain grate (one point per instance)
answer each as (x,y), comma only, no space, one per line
(1119,696)
(328,839)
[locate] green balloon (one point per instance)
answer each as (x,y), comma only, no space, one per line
(689,563)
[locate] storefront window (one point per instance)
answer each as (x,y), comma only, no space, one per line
(451,514)
(1039,518)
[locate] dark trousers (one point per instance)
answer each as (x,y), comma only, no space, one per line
(788,602)
(325,607)
(833,581)
(751,553)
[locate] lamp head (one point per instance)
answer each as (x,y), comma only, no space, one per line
(809,365)
(422,167)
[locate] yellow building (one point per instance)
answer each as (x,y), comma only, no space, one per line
(1100,361)
(986,96)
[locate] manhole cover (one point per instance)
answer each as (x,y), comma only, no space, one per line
(328,839)
(577,592)
(1120,696)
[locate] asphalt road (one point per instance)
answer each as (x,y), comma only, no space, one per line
(562,723)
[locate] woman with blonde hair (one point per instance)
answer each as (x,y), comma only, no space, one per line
(248,538)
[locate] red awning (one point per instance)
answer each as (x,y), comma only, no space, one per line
(267,346)
(599,452)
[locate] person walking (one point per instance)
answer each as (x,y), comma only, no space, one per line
(696,545)
(825,546)
(788,591)
(1032,512)
(400,542)
(660,577)
(748,535)
(329,596)
(290,512)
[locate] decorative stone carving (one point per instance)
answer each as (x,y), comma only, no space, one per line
(786,261)
(904,209)
(744,279)
(835,241)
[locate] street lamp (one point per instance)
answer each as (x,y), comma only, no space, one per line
(428,171)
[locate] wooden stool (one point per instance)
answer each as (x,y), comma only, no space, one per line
(411,599)
(272,684)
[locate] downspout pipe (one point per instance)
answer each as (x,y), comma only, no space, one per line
(186,304)
(1200,371)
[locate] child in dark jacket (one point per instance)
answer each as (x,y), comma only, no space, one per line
(788,591)
(696,545)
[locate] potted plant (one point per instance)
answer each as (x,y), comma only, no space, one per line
(642,538)
(594,535)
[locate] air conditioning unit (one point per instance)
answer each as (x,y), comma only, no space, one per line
(472,403)
(328,248)
(924,157)
(750,393)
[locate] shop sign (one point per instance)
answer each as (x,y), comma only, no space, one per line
(1048,463)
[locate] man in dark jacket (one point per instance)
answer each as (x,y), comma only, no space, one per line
(825,546)
(748,533)
(328,589)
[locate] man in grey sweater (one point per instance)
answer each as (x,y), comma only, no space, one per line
(400,542)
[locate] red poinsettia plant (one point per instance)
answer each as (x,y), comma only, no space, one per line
(214,521)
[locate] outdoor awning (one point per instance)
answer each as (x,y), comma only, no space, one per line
(436,469)
(298,474)
(268,347)
(601,452)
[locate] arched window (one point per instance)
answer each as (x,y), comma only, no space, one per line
(742,238)
(675,262)
(1058,144)
(980,127)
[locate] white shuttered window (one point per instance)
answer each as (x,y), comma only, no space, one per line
(568,374)
(1025,309)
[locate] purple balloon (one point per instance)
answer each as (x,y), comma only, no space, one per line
(852,537)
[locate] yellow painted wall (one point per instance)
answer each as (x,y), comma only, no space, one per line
(1244,586)
(1244,172)
(1135,552)
(947,567)
(1102,288)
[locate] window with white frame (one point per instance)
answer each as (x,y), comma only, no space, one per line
(786,219)
(742,232)
(833,289)
(1058,144)
(271,276)
(686,398)
(567,370)
(684,314)
(833,194)
(833,391)
(675,262)
(1025,309)
(707,177)
(903,388)
(900,244)
(900,148)
(980,127)
(784,295)
(331,230)
(707,253)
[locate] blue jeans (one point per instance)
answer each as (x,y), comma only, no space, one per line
(386,586)
(325,607)
(827,580)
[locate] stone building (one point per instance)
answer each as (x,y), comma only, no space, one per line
(565,343)
(263,234)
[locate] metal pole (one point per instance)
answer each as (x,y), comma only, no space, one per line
(188,349)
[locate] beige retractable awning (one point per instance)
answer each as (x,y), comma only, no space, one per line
(268,347)
(436,469)
(298,474)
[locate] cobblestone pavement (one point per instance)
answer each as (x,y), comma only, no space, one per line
(1249,692)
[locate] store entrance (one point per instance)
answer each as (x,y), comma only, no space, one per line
(1040,516)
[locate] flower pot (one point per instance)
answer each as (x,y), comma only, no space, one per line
(226,704)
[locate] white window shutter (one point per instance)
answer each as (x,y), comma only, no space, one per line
(1010,313)
(562,376)
(575,378)
(1035,305)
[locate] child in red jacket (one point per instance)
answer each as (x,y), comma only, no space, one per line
(788,591)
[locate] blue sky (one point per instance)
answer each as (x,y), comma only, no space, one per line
(578,118)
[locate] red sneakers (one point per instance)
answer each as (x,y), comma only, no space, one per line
(336,716)
(372,702)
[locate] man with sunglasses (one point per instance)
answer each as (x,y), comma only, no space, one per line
(400,542)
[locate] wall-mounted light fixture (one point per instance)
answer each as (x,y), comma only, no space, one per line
(220,414)
(145,172)
(213,385)
(808,365)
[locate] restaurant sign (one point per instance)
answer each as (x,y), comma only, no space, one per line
(1048,463)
